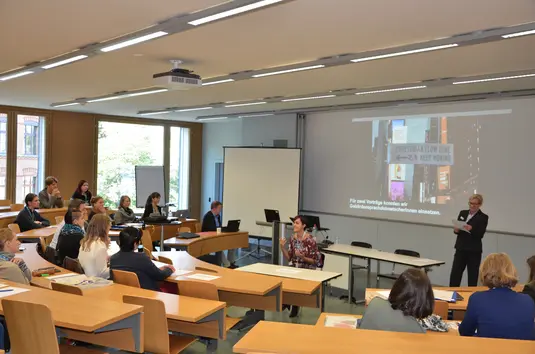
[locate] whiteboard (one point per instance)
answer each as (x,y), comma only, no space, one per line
(260,178)
(149,179)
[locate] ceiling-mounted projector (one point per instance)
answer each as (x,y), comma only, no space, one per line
(177,79)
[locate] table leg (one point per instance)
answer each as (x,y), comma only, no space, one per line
(161,240)
(368,273)
(378,272)
(350,280)
(323,290)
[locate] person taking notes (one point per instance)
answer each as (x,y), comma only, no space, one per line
(469,246)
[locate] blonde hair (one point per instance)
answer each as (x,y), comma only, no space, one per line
(97,230)
(477,197)
(498,271)
(5,236)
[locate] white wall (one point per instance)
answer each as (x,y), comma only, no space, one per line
(253,131)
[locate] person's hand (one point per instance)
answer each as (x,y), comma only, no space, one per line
(468,227)
(299,255)
(456,229)
(17,261)
(168,266)
(38,222)
(282,242)
(56,192)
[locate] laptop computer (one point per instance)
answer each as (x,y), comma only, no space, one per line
(232,226)
(272,215)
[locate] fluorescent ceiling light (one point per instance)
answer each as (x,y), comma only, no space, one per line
(290,70)
(107,98)
(134,41)
(397,54)
(217,82)
(257,115)
(193,109)
(391,90)
(493,79)
(308,98)
(519,34)
(215,118)
(23,73)
(245,104)
(147,92)
(233,12)
(63,62)
(65,104)
(154,113)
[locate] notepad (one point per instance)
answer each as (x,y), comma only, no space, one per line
(66,275)
(205,277)
(442,295)
(5,292)
(341,321)
(180,272)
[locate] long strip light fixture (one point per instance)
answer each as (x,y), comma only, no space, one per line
(14,76)
(233,12)
(519,34)
(493,79)
(217,82)
(133,41)
(407,52)
(65,61)
(244,104)
(125,95)
(193,109)
(307,98)
(391,90)
(289,70)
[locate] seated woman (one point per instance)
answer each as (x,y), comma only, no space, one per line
(82,192)
(74,205)
(124,214)
(303,251)
(93,255)
(128,259)
(529,288)
(9,245)
(97,203)
(151,206)
(70,236)
(499,312)
(411,298)
(28,218)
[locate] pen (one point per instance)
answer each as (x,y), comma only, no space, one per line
(5,290)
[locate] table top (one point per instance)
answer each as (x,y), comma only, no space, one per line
(38,233)
(459,305)
(73,311)
(289,272)
(276,337)
(382,256)
(177,241)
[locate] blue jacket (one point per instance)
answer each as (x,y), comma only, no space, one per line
(499,313)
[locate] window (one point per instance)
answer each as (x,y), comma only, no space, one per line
(3,134)
(30,155)
(122,146)
(3,157)
(179,168)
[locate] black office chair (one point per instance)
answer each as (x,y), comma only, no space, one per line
(403,252)
(73,265)
(357,266)
(51,255)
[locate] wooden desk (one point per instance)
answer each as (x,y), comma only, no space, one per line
(170,230)
(323,315)
(274,337)
(210,242)
(289,272)
(102,322)
(9,217)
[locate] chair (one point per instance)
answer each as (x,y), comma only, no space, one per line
(357,266)
(59,219)
(32,330)
(165,260)
(148,253)
(14,227)
(207,291)
(51,255)
(198,227)
(156,330)
(17,207)
(125,278)
(146,238)
(441,309)
(184,229)
(403,252)
(73,265)
(69,289)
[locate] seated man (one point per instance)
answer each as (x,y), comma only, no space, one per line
(28,218)
(50,197)
(211,222)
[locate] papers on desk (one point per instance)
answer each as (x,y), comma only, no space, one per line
(180,272)
(82,281)
(287,271)
(204,277)
(10,291)
(341,321)
(442,295)
(65,275)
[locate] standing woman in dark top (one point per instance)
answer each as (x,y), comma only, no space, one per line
(82,192)
(151,206)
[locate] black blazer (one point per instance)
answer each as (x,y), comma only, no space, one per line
(471,242)
(148,211)
(529,289)
(208,222)
(69,243)
(148,274)
(85,198)
(26,220)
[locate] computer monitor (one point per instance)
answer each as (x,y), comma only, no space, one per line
(272,215)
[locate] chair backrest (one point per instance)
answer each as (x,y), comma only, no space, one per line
(165,260)
(14,227)
(200,290)
(361,244)
(198,227)
(27,320)
(441,309)
(125,278)
(146,238)
(5,202)
(73,265)
(409,253)
(155,323)
(59,219)
(51,255)
(17,207)
(203,269)
(69,289)
(184,229)
(148,253)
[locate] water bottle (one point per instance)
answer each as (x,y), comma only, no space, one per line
(336,240)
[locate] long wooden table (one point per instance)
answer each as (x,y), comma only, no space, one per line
(284,338)
(209,242)
(184,314)
(102,322)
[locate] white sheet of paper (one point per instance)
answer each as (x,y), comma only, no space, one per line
(180,272)
(288,271)
(384,294)
(14,291)
(67,275)
(458,223)
(443,295)
(205,277)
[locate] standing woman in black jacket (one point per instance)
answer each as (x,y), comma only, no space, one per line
(151,205)
(82,192)
(29,218)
